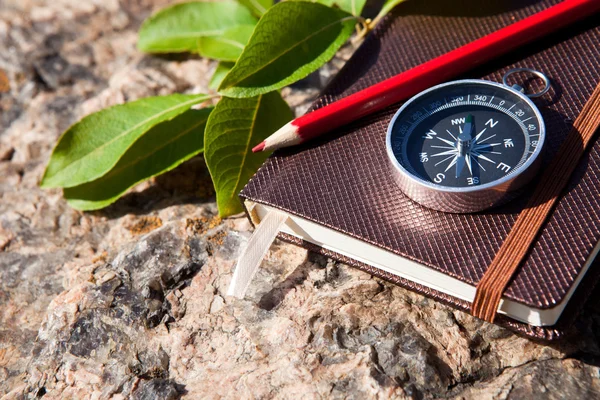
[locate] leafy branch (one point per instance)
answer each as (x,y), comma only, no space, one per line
(261,48)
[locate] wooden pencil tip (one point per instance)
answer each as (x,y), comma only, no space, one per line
(258,147)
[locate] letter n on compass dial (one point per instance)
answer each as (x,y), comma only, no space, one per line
(470,135)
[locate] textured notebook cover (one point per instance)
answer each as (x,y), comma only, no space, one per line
(342,180)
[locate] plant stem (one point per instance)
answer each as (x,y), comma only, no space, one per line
(376,20)
(371,24)
(362,29)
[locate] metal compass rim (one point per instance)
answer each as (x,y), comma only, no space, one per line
(490,185)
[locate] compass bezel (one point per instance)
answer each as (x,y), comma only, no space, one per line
(421,190)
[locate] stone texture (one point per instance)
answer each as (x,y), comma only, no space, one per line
(129,302)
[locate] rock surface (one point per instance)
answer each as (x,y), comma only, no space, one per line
(129,302)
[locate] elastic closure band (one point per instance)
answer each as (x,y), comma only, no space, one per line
(253,254)
(531,220)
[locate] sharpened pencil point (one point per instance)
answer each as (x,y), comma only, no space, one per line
(258,147)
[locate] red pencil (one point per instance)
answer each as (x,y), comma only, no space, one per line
(421,77)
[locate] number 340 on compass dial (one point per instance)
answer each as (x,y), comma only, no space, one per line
(465,146)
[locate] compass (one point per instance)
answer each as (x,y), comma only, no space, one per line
(467,145)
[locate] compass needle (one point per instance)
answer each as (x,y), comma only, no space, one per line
(464,142)
(460,164)
(469,126)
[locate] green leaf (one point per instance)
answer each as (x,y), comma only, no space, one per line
(228,46)
(258,7)
(289,42)
(222,69)
(91,147)
(389,5)
(161,149)
(385,9)
(354,7)
(233,128)
(178,28)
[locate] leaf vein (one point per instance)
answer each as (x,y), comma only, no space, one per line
(156,149)
(340,21)
(251,134)
(128,131)
(258,6)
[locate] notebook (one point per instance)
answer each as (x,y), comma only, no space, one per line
(340,199)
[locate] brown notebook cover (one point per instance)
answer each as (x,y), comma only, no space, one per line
(342,180)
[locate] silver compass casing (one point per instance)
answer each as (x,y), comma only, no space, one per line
(465,199)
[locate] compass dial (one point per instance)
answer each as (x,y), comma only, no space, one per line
(465,136)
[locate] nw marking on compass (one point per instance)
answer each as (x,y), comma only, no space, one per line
(464,149)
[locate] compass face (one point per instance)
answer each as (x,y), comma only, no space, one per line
(465,135)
